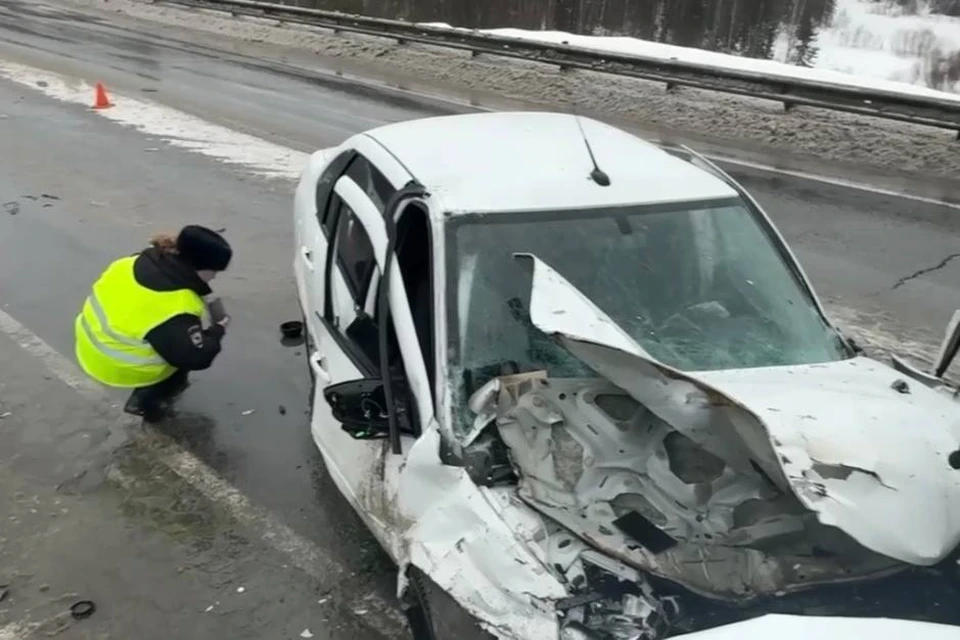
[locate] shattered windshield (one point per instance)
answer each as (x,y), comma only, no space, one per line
(701,286)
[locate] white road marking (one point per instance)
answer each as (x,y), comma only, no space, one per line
(303,554)
(176,127)
(837,182)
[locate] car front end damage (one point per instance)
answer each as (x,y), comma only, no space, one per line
(648,502)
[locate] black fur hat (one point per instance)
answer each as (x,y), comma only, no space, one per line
(203,249)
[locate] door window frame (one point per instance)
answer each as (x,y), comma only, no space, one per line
(412,357)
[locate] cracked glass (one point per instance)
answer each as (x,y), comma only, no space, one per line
(699,285)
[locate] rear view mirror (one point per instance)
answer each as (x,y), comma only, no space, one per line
(360,406)
(949,346)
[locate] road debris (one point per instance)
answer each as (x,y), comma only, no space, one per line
(306,633)
(247,412)
(12,207)
(82,609)
(241,589)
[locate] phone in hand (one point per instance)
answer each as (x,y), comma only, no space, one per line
(217,311)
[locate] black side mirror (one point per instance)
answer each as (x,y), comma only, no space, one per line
(360,406)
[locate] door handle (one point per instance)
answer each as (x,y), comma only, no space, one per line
(307,256)
(318,364)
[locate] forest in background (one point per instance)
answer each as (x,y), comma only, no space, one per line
(752,28)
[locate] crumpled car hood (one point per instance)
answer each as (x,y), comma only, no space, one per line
(866,458)
(860,454)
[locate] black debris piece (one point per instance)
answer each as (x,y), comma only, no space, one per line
(82,609)
(652,537)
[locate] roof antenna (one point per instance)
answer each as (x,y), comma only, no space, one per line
(597,175)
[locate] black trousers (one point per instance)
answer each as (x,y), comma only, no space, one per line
(152,397)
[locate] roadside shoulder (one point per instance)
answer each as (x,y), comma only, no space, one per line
(88,511)
(741,125)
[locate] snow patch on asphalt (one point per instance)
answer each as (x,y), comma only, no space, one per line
(172,126)
(14,631)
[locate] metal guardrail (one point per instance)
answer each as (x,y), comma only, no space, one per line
(790,91)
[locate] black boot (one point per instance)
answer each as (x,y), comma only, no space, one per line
(146,406)
(181,385)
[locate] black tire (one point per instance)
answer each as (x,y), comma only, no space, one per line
(434,615)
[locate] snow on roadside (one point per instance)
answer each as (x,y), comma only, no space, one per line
(175,127)
(736,123)
(876,40)
(669,53)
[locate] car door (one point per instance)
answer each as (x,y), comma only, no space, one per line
(340,353)
(348,347)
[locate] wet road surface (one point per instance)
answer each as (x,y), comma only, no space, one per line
(113,187)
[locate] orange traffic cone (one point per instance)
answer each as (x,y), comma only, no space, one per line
(101,101)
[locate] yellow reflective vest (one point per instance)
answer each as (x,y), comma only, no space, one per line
(118,313)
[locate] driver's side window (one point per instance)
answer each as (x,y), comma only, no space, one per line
(351,273)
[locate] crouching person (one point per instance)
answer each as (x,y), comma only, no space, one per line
(141,326)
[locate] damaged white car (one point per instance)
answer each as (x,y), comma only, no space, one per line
(596,397)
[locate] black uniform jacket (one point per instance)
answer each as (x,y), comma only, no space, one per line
(181,340)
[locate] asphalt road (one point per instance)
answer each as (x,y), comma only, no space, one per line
(113,187)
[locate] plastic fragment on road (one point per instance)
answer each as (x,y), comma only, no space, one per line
(306,634)
(247,412)
(241,589)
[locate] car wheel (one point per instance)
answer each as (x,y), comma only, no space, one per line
(436,616)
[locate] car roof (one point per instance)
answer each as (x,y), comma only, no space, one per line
(535,161)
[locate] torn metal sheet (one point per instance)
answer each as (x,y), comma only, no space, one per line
(593,459)
(802,426)
(460,539)
(867,458)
